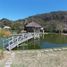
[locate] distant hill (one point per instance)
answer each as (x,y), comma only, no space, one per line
(52,21)
(60,16)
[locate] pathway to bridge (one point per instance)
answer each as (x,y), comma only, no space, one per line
(10,59)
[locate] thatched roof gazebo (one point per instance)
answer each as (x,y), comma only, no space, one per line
(32,26)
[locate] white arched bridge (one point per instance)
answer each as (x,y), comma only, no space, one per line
(17,39)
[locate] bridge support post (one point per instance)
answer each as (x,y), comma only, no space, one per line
(9,48)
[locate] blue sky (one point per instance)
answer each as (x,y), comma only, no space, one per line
(19,9)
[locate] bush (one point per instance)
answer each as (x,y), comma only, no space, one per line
(4,33)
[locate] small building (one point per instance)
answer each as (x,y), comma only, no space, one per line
(6,27)
(32,27)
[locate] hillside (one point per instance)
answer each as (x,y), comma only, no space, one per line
(53,21)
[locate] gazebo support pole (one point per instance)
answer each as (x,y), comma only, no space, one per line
(43,33)
(34,37)
(34,34)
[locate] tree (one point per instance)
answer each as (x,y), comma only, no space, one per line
(60,27)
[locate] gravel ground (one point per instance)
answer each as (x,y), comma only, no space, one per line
(3,60)
(38,58)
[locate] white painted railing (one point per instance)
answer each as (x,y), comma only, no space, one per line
(17,39)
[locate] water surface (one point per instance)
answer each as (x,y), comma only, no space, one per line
(46,41)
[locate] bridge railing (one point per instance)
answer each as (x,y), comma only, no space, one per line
(16,39)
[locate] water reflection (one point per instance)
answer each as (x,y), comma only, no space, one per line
(53,41)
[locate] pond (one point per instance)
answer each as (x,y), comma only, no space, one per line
(3,41)
(45,41)
(54,41)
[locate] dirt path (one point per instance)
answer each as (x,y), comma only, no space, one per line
(10,59)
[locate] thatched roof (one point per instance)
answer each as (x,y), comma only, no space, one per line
(33,24)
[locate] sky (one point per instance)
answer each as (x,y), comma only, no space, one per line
(20,9)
